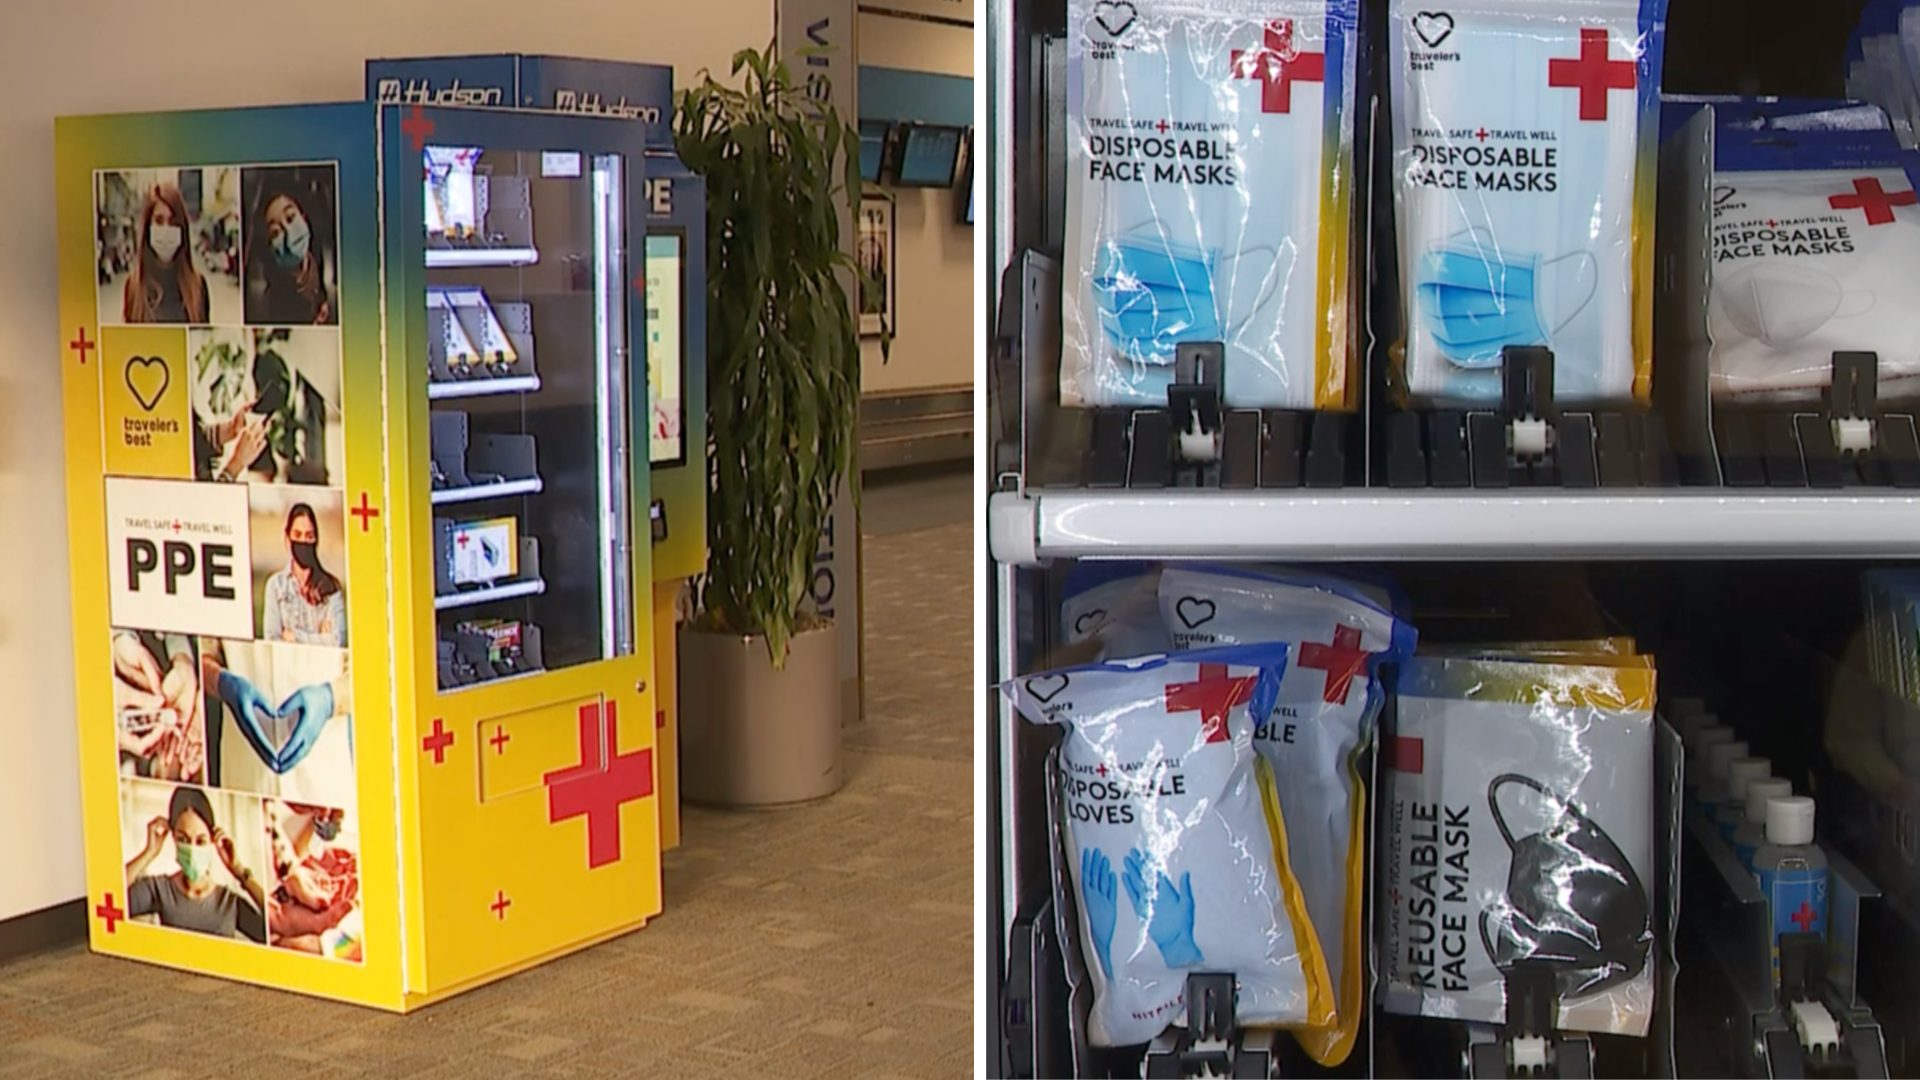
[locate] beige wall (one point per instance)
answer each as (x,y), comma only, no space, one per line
(63,57)
(934,346)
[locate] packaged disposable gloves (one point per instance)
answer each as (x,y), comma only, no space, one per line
(1519,829)
(1523,138)
(1324,710)
(1175,850)
(1209,192)
(1816,250)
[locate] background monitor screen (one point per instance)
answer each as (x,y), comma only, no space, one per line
(666,344)
(929,157)
(873,148)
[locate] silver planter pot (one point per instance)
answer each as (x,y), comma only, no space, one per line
(753,736)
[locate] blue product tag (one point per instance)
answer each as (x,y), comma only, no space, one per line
(1797,897)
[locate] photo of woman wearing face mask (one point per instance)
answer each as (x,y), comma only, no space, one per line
(291,274)
(304,602)
(163,286)
(195,897)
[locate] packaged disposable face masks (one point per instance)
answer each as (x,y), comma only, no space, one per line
(1816,250)
(1116,604)
(1519,830)
(1175,843)
(1325,709)
(1523,147)
(1209,191)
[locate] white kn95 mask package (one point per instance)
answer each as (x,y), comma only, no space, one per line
(1209,199)
(1524,134)
(1816,250)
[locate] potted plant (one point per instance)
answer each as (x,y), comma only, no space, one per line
(760,681)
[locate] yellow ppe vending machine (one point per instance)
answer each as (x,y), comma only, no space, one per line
(365,694)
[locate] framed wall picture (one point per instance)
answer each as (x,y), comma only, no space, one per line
(874,247)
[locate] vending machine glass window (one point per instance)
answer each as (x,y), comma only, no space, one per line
(666,351)
(527,391)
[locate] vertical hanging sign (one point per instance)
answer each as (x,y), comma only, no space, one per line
(818,40)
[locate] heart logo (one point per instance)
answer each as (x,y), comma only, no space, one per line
(1722,193)
(1089,621)
(1433,27)
(1114,16)
(148,377)
(1046,687)
(1194,611)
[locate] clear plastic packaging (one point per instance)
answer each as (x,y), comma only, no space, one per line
(1209,198)
(1519,826)
(1523,148)
(1328,701)
(1176,845)
(1816,250)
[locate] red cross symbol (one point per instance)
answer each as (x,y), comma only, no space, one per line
(595,793)
(109,912)
(81,345)
(1102,770)
(1213,696)
(1161,127)
(1593,74)
(1277,65)
(417,126)
(438,742)
(1772,224)
(500,739)
(1481,134)
(1877,203)
(1805,917)
(1341,660)
(500,905)
(366,512)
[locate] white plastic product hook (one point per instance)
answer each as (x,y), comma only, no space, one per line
(1853,435)
(1529,437)
(1197,444)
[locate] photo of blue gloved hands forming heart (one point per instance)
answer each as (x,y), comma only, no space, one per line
(1163,908)
(279,722)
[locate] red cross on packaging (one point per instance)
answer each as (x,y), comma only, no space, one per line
(1277,63)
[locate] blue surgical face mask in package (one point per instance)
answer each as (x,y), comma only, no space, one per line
(1209,199)
(1175,851)
(1523,141)
(1816,250)
(1325,709)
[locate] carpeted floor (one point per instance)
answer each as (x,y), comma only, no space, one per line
(830,940)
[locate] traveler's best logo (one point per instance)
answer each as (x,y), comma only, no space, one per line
(1089,621)
(1115,16)
(147,379)
(1433,27)
(1046,687)
(1194,611)
(1722,193)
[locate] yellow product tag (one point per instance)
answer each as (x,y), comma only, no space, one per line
(1313,964)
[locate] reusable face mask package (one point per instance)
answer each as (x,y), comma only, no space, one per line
(1209,198)
(1518,829)
(1175,843)
(1524,134)
(1116,604)
(1816,250)
(1328,700)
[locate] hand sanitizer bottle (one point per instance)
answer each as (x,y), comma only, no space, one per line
(1713,786)
(1730,811)
(1792,873)
(1752,833)
(1696,756)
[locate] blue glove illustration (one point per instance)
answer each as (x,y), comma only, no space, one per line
(1167,910)
(1103,903)
(309,708)
(249,709)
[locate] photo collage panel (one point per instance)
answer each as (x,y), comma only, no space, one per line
(219,315)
